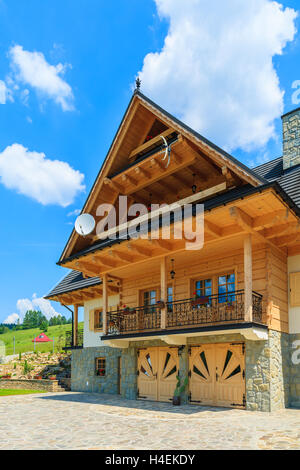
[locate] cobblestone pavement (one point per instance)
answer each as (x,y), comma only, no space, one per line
(90,421)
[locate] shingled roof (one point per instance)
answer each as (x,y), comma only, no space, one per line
(289,179)
(73,281)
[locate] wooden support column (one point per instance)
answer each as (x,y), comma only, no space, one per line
(163,291)
(105,302)
(248,278)
(75,327)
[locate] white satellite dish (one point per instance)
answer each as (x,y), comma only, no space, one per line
(85,224)
(167,151)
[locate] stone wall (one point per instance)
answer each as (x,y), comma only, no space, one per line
(43,385)
(295,370)
(83,377)
(291,139)
(272,382)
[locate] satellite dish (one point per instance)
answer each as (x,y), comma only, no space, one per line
(167,151)
(85,224)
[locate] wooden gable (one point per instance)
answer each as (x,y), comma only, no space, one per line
(195,161)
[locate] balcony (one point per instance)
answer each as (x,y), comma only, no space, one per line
(213,310)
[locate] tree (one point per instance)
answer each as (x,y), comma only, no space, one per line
(44,326)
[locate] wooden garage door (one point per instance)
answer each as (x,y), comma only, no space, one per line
(157,371)
(217,375)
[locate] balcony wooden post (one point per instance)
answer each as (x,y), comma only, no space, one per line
(75,326)
(105,303)
(248,302)
(163,292)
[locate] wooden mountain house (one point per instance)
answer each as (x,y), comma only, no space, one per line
(225,315)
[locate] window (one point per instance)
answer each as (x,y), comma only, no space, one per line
(170,298)
(98,320)
(100,366)
(226,286)
(149,299)
(203,288)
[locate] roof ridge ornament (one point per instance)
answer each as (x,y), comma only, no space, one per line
(138,83)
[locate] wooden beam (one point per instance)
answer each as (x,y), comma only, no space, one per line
(113,184)
(162,244)
(105,302)
(229,176)
(248,278)
(271,218)
(150,143)
(247,223)
(128,179)
(75,326)
(163,291)
(121,256)
(143,173)
(278,230)
(139,250)
(241,218)
(292,239)
(158,164)
(212,229)
(176,157)
(104,261)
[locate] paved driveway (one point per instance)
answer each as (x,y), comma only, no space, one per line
(90,421)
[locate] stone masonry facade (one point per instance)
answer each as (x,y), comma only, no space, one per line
(272,380)
(291,139)
(33,384)
(295,370)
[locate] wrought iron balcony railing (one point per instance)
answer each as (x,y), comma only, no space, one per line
(220,308)
(69,341)
(136,319)
(188,313)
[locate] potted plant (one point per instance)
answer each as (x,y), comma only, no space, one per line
(160,304)
(38,377)
(179,390)
(199,300)
(52,377)
(127,310)
(101,372)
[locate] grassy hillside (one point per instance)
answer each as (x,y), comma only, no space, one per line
(24,339)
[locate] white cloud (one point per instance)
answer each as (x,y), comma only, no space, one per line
(3,92)
(215,70)
(13,318)
(36,303)
(74,213)
(32,69)
(34,175)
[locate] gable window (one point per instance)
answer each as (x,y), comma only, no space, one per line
(100,367)
(98,319)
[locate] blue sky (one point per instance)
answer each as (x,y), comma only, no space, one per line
(71,114)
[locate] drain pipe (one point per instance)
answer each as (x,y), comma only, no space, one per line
(68,308)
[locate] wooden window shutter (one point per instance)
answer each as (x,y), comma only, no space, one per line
(295,289)
(92,320)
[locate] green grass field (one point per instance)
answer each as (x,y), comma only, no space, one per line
(6,393)
(24,339)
